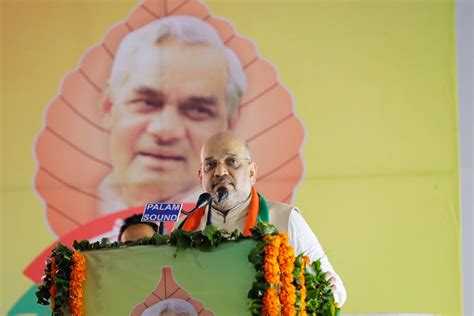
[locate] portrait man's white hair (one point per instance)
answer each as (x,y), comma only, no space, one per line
(188,29)
(171,305)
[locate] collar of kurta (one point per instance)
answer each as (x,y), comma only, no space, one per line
(257,212)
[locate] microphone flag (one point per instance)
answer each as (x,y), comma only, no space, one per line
(161,212)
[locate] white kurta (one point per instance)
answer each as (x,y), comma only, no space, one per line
(287,219)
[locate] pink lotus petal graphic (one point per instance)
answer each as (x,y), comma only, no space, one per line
(168,288)
(72,148)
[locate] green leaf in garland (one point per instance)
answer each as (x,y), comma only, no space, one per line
(262,229)
(319,299)
(104,242)
(160,239)
(202,242)
(236,235)
(212,234)
(83,245)
(260,276)
(255,308)
(258,290)
(181,239)
(257,254)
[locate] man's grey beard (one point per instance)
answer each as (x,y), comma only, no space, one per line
(232,201)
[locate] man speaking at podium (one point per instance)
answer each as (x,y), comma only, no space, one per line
(226,162)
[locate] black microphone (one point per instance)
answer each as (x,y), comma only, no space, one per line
(203,200)
(222,194)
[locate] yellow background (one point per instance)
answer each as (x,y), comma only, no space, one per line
(374,83)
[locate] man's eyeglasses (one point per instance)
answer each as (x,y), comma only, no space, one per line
(233,162)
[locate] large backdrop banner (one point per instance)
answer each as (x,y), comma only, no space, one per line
(349,109)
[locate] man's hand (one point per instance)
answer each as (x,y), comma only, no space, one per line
(331,278)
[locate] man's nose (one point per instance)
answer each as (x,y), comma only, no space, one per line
(221,169)
(167,125)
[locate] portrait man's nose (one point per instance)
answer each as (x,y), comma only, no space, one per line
(166,125)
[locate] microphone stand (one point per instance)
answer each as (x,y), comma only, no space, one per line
(222,194)
(203,200)
(161,228)
(209,214)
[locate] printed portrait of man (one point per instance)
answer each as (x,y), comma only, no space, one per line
(127,125)
(173,84)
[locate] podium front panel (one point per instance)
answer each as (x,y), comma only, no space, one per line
(131,280)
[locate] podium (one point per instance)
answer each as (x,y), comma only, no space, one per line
(129,280)
(204,273)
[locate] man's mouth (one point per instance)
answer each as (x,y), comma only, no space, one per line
(162,156)
(161,160)
(222,183)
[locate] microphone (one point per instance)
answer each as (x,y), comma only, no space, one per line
(222,194)
(203,200)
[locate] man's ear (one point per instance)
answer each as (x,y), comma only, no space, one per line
(105,105)
(200,177)
(253,172)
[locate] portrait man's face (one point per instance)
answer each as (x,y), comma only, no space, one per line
(171,102)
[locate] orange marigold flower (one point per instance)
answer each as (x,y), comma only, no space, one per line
(302,287)
(271,269)
(76,290)
(271,303)
(286,260)
(270,266)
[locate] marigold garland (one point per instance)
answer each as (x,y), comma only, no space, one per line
(286,260)
(278,271)
(271,269)
(76,290)
(52,290)
(302,286)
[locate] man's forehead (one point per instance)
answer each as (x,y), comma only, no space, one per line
(222,147)
(222,155)
(197,55)
(164,64)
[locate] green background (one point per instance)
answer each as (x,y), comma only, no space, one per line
(117,280)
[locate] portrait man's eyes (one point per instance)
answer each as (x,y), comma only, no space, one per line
(198,110)
(144,104)
(145,100)
(194,108)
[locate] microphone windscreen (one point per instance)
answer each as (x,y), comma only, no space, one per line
(222,194)
(203,199)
